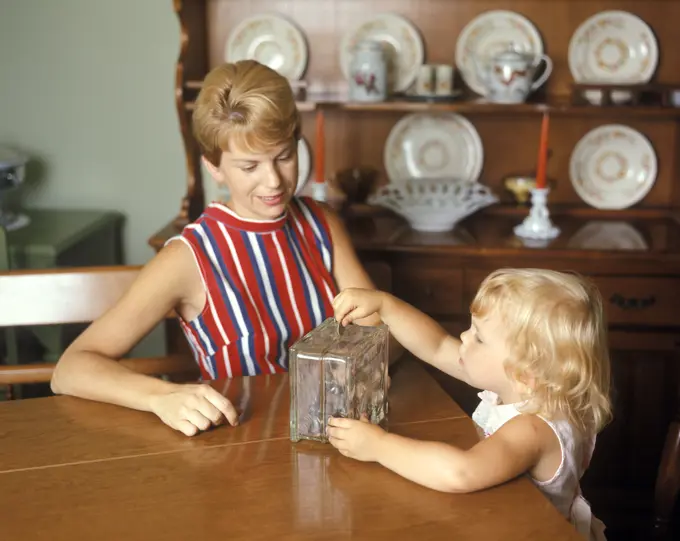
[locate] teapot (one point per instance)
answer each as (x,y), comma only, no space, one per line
(508,76)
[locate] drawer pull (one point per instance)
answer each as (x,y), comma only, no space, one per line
(632,303)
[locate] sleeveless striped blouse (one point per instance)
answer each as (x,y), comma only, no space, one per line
(267,283)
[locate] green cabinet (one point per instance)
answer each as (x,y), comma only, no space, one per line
(64,238)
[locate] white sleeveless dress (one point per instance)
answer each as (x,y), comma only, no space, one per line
(563,490)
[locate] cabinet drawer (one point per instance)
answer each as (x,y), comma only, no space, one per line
(640,300)
(473,279)
(380,273)
(434,290)
(627,300)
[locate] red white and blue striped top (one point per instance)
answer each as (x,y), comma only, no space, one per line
(267,283)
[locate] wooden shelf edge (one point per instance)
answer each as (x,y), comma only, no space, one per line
(481,108)
(653,213)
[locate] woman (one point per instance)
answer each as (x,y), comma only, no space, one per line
(247,279)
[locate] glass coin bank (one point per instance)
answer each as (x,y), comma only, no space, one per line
(337,371)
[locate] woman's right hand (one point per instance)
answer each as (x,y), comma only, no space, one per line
(192,408)
(355,303)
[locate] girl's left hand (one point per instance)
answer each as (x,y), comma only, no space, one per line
(355,439)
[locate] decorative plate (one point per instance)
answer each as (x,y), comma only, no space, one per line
(271,40)
(489,34)
(613,167)
(304,164)
(613,47)
(608,235)
(401,40)
(424,145)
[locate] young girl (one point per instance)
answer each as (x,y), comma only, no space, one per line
(537,346)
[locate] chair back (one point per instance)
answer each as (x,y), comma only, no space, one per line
(70,295)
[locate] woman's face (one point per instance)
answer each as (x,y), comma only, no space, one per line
(260,185)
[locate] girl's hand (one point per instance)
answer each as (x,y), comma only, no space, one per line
(193,408)
(354,303)
(355,439)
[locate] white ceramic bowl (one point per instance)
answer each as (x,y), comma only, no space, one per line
(434,205)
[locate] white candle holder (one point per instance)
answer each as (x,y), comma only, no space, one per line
(319,191)
(537,226)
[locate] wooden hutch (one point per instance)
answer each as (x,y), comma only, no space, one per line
(439,273)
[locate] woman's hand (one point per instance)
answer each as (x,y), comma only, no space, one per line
(193,408)
(354,303)
(355,439)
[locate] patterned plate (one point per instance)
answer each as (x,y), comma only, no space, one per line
(399,37)
(489,34)
(423,145)
(271,40)
(304,164)
(613,167)
(613,47)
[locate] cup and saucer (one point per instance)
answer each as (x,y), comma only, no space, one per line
(434,84)
(431,98)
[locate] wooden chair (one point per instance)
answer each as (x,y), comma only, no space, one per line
(10,336)
(71,295)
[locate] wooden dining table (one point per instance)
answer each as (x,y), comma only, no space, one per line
(76,469)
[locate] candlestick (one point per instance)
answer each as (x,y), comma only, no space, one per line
(542,164)
(538,225)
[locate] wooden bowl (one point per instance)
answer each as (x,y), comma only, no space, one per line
(357,183)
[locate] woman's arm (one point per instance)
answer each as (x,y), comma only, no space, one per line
(517,447)
(89,367)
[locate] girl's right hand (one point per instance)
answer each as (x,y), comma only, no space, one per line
(193,408)
(354,303)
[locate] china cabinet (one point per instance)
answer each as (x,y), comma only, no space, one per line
(632,253)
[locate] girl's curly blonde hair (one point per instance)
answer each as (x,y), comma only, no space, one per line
(245,104)
(558,342)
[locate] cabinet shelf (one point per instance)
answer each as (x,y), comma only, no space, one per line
(556,107)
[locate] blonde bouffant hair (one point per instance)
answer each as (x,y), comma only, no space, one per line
(558,342)
(246,105)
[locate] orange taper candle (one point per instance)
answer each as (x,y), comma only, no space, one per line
(320,168)
(543,153)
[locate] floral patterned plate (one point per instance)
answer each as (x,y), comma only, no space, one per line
(613,167)
(401,40)
(613,47)
(271,40)
(491,33)
(425,145)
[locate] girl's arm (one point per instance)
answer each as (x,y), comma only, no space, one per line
(410,328)
(421,335)
(521,445)
(89,368)
(415,331)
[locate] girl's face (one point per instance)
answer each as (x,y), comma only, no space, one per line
(482,354)
(260,185)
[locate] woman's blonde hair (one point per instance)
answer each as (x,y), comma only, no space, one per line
(558,342)
(247,105)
